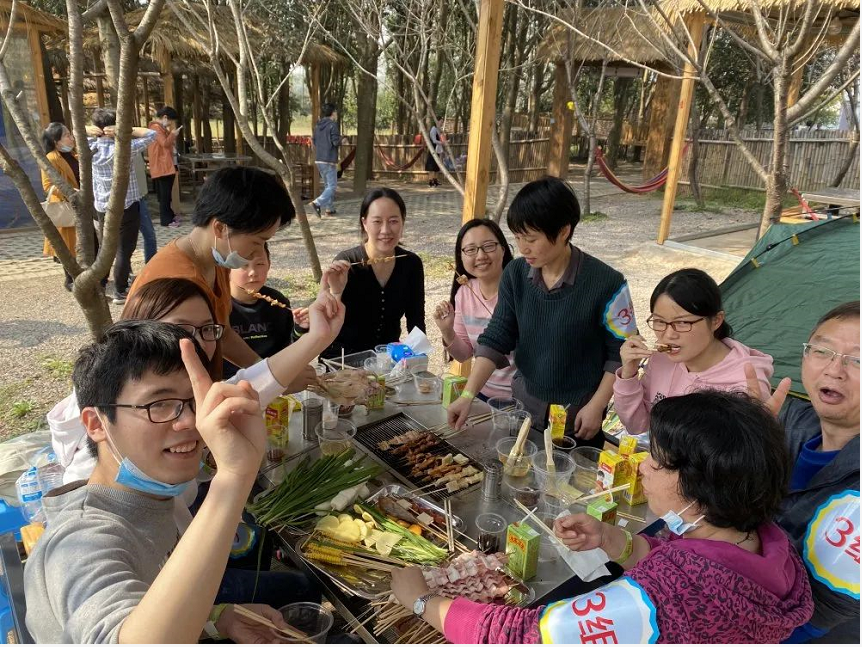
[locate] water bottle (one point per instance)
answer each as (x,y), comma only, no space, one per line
(50,474)
(30,495)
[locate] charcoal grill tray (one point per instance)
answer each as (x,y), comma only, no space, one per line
(373,433)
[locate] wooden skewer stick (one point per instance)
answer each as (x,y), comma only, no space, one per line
(518,447)
(541,524)
(269,300)
(599,494)
(382,259)
(295,634)
(465,281)
(549,453)
(450,536)
(631,517)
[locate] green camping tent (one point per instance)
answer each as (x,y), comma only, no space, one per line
(790,278)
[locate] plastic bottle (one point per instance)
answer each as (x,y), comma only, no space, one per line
(50,474)
(30,495)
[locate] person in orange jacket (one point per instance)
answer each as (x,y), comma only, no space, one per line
(162,167)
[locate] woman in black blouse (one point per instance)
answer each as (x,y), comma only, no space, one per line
(377,295)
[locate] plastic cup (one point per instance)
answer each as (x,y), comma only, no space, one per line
(515,419)
(430,385)
(548,481)
(330,413)
(492,532)
(522,464)
(564,444)
(500,407)
(586,465)
(310,618)
(320,369)
(276,440)
(336,439)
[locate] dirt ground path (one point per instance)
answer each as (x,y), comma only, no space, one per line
(41,327)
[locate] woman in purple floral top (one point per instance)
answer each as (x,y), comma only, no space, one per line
(717,473)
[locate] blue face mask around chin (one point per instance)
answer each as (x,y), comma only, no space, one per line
(233,261)
(131,476)
(676,524)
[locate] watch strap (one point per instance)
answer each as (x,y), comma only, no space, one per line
(423,602)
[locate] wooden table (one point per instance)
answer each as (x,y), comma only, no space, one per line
(203,163)
(834,197)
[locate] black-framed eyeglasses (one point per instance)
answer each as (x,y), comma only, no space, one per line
(660,325)
(489,248)
(207,332)
(158,411)
(822,356)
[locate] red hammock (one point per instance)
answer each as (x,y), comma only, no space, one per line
(650,185)
(390,163)
(346,162)
(804,204)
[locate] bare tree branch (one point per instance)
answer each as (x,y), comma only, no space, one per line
(844,86)
(764,33)
(7,40)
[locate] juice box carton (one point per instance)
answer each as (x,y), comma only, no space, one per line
(635,494)
(376,393)
(613,471)
(522,548)
(278,411)
(453,385)
(628,445)
(557,420)
(605,511)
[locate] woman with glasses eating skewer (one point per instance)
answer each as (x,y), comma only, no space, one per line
(693,351)
(481,253)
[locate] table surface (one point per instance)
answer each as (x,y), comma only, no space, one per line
(477,443)
(215,157)
(841,197)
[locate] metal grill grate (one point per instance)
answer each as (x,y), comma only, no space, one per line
(372,434)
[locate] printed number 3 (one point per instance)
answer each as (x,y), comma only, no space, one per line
(590,605)
(842,532)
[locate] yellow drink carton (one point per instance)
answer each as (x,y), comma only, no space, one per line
(522,548)
(628,445)
(634,495)
(453,386)
(604,511)
(278,411)
(557,420)
(613,471)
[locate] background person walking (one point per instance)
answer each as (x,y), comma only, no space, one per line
(326,138)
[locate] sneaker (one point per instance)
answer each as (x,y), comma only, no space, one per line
(119,298)
(330,212)
(174,224)
(316,209)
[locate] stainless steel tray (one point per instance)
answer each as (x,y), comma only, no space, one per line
(402,492)
(365,584)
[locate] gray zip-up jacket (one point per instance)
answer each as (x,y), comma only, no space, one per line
(326,138)
(835,612)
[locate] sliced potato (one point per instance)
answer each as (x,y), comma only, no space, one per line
(342,518)
(363,529)
(328,523)
(365,515)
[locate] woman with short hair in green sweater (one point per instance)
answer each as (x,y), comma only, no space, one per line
(563,312)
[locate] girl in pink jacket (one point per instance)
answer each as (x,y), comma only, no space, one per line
(693,350)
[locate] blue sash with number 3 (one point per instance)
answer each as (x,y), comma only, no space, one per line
(617,613)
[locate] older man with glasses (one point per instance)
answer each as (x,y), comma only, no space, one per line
(821,511)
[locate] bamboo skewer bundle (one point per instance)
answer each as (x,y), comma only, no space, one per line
(539,522)
(290,632)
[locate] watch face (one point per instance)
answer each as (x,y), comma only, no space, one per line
(419,606)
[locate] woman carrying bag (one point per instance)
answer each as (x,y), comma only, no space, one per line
(59,147)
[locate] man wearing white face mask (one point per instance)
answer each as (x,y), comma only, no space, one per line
(237,211)
(110,566)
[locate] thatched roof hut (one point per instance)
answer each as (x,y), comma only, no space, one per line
(32,18)
(615,34)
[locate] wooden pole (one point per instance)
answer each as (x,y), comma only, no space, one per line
(694,23)
(795,86)
(561,131)
(483,108)
(39,73)
(197,113)
(314,91)
(147,110)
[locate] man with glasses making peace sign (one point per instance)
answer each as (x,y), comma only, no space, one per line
(821,512)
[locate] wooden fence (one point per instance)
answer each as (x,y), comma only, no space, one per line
(813,159)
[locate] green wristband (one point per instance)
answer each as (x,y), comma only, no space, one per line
(468,394)
(629,548)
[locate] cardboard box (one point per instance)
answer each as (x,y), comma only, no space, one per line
(522,547)
(634,495)
(557,420)
(613,471)
(453,385)
(278,411)
(605,511)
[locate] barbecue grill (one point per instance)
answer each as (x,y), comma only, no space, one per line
(370,435)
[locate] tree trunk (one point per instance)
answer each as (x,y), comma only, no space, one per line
(518,45)
(621,93)
(852,154)
(694,153)
(283,108)
(55,107)
(197,113)
(586,207)
(776,185)
(366,102)
(206,108)
(229,134)
(109,43)
(401,109)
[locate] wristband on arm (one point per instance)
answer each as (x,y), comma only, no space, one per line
(468,394)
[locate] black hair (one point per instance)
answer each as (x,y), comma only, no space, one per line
(125,351)
(247,200)
(374,195)
(849,310)
(327,109)
(459,263)
(51,135)
(729,452)
(104,117)
(696,292)
(546,205)
(169,112)
(268,255)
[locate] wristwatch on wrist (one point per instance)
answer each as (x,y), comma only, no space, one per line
(419,605)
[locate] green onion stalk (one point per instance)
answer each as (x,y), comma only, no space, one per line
(411,548)
(293,501)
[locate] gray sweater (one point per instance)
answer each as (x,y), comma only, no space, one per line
(100,553)
(326,139)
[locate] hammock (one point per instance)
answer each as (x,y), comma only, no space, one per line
(804,204)
(346,162)
(390,163)
(650,185)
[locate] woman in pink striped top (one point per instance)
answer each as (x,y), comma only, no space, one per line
(481,253)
